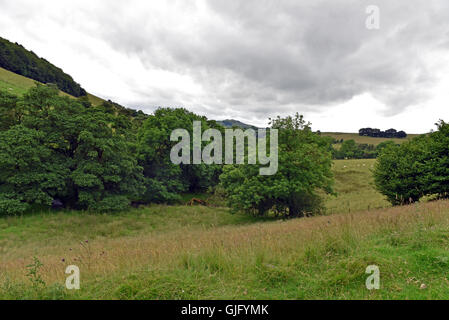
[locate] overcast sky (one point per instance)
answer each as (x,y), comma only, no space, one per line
(251,60)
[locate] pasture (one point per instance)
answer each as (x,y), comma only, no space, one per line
(18,85)
(363,139)
(196,252)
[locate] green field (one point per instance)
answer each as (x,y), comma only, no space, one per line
(17,84)
(183,252)
(363,139)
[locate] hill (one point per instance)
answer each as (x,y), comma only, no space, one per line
(14,57)
(364,139)
(230,123)
(17,84)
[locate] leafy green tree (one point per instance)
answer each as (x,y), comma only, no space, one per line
(400,172)
(164,180)
(437,161)
(383,145)
(30,172)
(304,168)
(9,111)
(67,150)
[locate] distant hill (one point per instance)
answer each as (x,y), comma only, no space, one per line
(17,59)
(229,123)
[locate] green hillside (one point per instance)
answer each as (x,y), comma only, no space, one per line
(230,123)
(17,84)
(15,58)
(363,139)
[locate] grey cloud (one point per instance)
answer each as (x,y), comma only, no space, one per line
(310,54)
(258,58)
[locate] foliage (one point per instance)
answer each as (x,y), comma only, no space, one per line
(390,133)
(33,273)
(400,170)
(349,149)
(55,147)
(304,167)
(415,169)
(16,58)
(436,162)
(164,181)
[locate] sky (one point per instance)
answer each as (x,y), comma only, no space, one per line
(254,59)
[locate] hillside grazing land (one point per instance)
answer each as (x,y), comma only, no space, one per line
(17,84)
(14,57)
(365,140)
(182,252)
(354,186)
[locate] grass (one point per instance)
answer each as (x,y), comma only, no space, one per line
(365,140)
(183,252)
(354,186)
(18,85)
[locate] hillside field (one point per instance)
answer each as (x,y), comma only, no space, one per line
(363,139)
(183,252)
(17,84)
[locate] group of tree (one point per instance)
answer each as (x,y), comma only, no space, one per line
(405,173)
(16,58)
(349,149)
(377,133)
(54,148)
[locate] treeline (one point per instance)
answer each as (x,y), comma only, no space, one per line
(56,150)
(16,58)
(377,133)
(405,173)
(349,149)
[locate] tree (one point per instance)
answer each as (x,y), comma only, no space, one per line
(63,149)
(10,111)
(304,168)
(437,161)
(401,172)
(164,181)
(30,172)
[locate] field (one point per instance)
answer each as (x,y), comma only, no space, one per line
(182,252)
(17,84)
(363,140)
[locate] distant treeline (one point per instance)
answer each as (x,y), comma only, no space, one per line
(377,133)
(16,58)
(349,149)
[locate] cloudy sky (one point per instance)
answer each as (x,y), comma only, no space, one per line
(251,60)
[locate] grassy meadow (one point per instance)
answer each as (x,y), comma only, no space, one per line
(196,252)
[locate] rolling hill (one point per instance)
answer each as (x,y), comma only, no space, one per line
(229,123)
(15,58)
(18,85)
